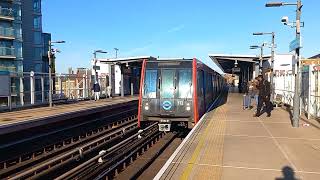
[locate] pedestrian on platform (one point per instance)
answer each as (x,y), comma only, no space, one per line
(109,91)
(255,91)
(246,96)
(250,93)
(96,89)
(264,96)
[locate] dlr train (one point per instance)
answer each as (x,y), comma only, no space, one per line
(176,92)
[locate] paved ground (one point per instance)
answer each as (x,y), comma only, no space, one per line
(232,144)
(32,114)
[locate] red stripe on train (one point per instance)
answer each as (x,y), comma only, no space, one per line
(143,69)
(195,96)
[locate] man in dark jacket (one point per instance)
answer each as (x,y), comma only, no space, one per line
(264,96)
(96,89)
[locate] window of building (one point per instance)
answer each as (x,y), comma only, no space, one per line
(37,22)
(18,31)
(37,53)
(36,5)
(18,49)
(17,11)
(37,37)
(38,67)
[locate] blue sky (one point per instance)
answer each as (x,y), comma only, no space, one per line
(166,28)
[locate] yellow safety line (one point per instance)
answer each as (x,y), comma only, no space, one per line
(195,154)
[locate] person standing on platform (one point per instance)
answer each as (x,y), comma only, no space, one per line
(264,96)
(255,91)
(96,89)
(109,91)
(246,96)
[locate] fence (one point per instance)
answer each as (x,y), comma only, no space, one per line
(31,89)
(310,89)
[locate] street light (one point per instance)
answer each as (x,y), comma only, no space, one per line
(296,99)
(95,61)
(50,69)
(261,54)
(272,58)
(116,49)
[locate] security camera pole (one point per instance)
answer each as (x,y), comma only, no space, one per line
(50,69)
(296,99)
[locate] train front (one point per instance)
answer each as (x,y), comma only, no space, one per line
(167,94)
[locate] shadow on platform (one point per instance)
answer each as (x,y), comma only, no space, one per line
(288,174)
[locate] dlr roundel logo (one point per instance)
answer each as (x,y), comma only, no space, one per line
(166,105)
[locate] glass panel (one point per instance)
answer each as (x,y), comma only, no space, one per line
(37,22)
(185,88)
(167,84)
(18,49)
(36,5)
(37,38)
(37,53)
(150,83)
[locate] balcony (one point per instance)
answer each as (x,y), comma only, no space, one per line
(6,14)
(7,33)
(7,52)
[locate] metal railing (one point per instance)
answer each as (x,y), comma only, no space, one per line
(6,51)
(310,94)
(7,32)
(32,89)
(8,12)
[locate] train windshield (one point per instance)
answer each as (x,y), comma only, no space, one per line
(150,83)
(167,83)
(185,85)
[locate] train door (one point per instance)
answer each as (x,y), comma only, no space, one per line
(167,91)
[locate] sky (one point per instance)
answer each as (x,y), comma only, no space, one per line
(166,28)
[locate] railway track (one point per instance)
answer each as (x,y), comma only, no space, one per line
(75,143)
(102,152)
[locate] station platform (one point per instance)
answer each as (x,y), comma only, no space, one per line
(229,143)
(13,121)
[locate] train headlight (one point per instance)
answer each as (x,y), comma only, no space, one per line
(146,107)
(188,107)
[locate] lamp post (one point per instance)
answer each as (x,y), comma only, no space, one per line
(296,99)
(272,58)
(261,54)
(95,62)
(50,69)
(116,49)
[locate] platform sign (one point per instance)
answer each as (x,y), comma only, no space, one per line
(96,67)
(236,69)
(295,44)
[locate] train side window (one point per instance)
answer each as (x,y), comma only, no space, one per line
(185,83)
(200,83)
(150,83)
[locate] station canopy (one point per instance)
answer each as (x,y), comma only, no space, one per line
(227,61)
(136,60)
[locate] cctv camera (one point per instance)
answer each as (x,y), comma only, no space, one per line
(285,20)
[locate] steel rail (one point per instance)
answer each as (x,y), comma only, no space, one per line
(81,151)
(74,171)
(69,142)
